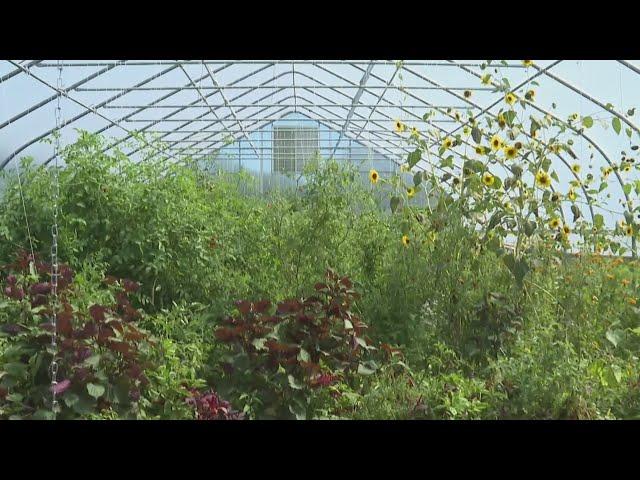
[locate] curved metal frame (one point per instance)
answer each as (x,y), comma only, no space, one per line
(303,92)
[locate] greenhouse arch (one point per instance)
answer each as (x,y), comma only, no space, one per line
(319,239)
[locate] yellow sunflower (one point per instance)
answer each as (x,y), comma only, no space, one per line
(373,176)
(399,127)
(496,142)
(414,132)
(510,152)
(510,98)
(628,231)
(411,192)
(543,179)
(527,63)
(572,195)
(626,167)
(554,223)
(480,150)
(446,144)
(566,230)
(606,172)
(488,179)
(575,168)
(405,240)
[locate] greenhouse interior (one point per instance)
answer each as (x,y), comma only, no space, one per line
(319,239)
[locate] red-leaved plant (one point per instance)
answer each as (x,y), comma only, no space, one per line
(283,356)
(101,352)
(209,406)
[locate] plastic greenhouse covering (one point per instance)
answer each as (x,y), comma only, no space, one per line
(244,113)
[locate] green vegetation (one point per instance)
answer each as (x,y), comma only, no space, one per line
(183,297)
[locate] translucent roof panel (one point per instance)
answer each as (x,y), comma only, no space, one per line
(197,107)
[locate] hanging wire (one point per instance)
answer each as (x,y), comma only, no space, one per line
(20,189)
(54,249)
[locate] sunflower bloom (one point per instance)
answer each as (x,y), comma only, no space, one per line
(480,150)
(447,143)
(405,240)
(575,168)
(510,152)
(488,179)
(554,223)
(399,127)
(414,132)
(543,179)
(411,192)
(566,230)
(496,143)
(572,195)
(373,176)
(510,98)
(628,231)
(527,63)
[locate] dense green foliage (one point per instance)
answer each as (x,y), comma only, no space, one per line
(221,280)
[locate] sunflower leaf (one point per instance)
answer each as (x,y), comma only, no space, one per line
(476,134)
(615,336)
(394,202)
(414,157)
(616,124)
(518,267)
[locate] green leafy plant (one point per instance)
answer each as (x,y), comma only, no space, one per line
(281,357)
(101,353)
